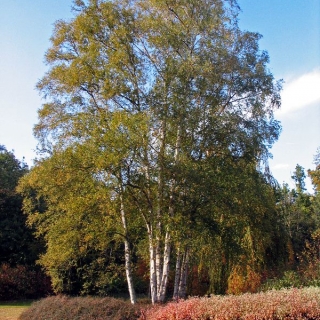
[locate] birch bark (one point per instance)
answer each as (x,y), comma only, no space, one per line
(127,253)
(153,276)
(182,292)
(177,276)
(165,270)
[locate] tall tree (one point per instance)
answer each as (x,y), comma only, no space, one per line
(315,179)
(17,245)
(315,174)
(296,208)
(152,100)
(299,177)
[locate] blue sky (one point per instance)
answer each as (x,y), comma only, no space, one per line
(291,35)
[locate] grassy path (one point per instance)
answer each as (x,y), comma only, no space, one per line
(12,311)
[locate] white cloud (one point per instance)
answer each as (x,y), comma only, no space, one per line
(300,92)
(280,166)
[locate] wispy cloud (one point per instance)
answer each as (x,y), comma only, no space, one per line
(300,92)
(280,166)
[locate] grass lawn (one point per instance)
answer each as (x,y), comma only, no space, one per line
(12,310)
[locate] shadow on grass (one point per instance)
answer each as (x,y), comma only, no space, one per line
(18,303)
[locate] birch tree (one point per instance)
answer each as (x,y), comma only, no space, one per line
(154,92)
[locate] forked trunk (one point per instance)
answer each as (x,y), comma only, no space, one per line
(181,275)
(158,286)
(165,269)
(184,275)
(159,248)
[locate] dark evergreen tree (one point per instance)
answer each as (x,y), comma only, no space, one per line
(17,243)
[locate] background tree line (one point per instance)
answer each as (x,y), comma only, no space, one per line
(20,277)
(291,259)
(153,149)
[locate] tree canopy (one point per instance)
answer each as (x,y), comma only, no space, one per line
(315,174)
(17,245)
(156,131)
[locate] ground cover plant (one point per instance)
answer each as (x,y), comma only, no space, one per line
(81,308)
(272,305)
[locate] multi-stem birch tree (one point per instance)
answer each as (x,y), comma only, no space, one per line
(155,91)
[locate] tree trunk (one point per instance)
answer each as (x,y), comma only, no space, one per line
(165,268)
(177,276)
(159,248)
(127,254)
(158,259)
(182,293)
(153,276)
(181,275)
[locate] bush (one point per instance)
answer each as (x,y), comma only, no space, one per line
(243,279)
(290,279)
(284,304)
(81,308)
(271,305)
(21,282)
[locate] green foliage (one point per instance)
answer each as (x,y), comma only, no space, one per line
(11,169)
(299,179)
(237,227)
(290,279)
(309,266)
(315,178)
(298,213)
(95,273)
(83,234)
(296,208)
(157,123)
(315,174)
(64,308)
(17,243)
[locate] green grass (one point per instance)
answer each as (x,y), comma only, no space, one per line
(11,310)
(23,303)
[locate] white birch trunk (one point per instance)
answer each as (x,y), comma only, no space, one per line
(159,263)
(177,276)
(153,276)
(127,255)
(158,259)
(178,261)
(159,244)
(131,289)
(152,249)
(165,268)
(152,265)
(184,275)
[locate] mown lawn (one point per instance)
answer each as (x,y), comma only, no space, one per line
(12,310)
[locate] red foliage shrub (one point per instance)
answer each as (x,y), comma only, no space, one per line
(81,308)
(272,305)
(21,282)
